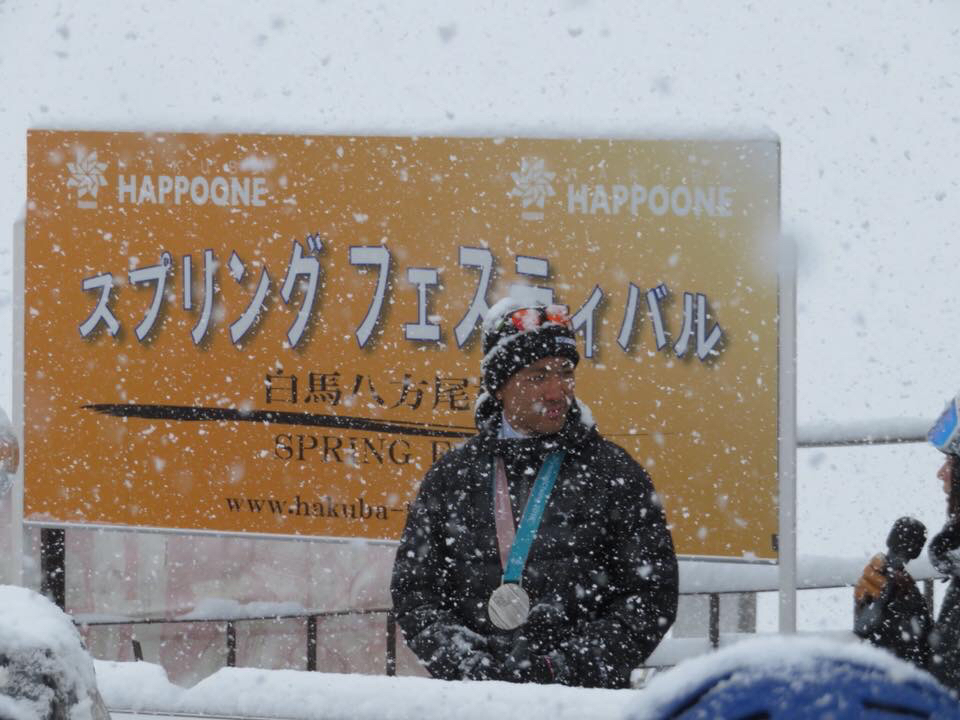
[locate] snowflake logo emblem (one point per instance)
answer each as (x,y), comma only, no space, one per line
(86,174)
(532,185)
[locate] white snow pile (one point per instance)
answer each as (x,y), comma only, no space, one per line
(45,672)
(300,695)
(216,608)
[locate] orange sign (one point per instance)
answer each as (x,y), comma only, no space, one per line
(279,334)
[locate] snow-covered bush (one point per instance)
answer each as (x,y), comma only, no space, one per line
(45,671)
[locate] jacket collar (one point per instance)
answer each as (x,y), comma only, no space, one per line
(489,417)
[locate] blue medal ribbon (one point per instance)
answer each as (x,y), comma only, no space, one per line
(532,515)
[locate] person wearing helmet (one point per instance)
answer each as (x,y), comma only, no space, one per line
(789,677)
(904,624)
(538,551)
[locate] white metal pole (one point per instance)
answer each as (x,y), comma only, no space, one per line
(17,528)
(787,439)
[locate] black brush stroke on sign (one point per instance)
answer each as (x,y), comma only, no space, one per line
(206,414)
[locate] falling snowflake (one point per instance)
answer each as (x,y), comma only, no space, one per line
(532,182)
(86,174)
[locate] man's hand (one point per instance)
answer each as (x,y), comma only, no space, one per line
(545,615)
(875,578)
(523,666)
(545,627)
(479,666)
(872,582)
(500,645)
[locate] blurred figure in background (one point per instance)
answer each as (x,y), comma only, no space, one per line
(903,621)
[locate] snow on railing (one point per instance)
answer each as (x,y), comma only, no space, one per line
(885,431)
(697,577)
(814,572)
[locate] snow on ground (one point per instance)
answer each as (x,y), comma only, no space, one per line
(327,696)
(142,687)
(42,654)
(32,627)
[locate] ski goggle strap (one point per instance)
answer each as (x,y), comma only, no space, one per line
(532,318)
(945,433)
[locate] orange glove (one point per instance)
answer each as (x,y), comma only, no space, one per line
(873,580)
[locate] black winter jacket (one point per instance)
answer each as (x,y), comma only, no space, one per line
(906,627)
(601,574)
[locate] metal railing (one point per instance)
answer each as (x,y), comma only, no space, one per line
(807,438)
(311,618)
(230,631)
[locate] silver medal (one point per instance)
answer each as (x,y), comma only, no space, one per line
(509,606)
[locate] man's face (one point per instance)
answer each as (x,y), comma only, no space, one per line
(536,399)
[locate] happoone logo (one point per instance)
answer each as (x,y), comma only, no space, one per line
(86,175)
(532,184)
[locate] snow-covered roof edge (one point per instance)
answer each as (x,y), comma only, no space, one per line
(566,131)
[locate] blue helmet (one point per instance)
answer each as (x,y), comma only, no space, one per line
(810,680)
(945,433)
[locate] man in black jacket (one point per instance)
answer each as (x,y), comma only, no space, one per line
(538,551)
